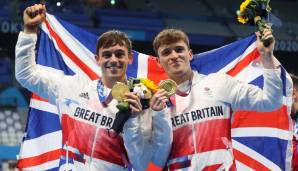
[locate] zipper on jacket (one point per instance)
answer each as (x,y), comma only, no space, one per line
(93,148)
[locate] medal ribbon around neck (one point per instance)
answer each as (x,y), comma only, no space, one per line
(104,100)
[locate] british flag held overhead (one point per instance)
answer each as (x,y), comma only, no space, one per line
(259,142)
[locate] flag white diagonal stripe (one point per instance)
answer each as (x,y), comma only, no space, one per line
(30,146)
(256,156)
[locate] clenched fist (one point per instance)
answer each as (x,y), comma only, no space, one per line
(33,16)
(266,53)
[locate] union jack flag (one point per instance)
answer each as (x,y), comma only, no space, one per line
(260,142)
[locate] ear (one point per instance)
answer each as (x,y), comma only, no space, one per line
(295,93)
(158,62)
(190,54)
(130,57)
(97,59)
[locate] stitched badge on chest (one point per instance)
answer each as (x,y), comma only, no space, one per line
(84,95)
(207,91)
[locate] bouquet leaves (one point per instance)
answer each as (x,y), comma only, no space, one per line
(254,12)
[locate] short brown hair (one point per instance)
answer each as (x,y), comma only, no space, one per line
(295,80)
(112,38)
(169,36)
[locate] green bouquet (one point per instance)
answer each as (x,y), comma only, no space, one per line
(254,12)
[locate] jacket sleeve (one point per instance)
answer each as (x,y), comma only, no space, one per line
(143,149)
(244,96)
(45,83)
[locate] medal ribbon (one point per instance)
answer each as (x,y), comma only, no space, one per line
(102,98)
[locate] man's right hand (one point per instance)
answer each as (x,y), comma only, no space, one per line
(33,16)
(158,100)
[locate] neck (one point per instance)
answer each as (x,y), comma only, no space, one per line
(182,78)
(110,82)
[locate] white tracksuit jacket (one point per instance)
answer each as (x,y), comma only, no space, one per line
(84,120)
(202,119)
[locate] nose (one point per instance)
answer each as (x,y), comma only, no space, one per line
(174,54)
(113,58)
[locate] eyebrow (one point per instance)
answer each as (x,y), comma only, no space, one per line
(165,50)
(115,51)
(178,46)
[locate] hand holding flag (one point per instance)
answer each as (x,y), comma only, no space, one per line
(253,11)
(33,17)
(266,52)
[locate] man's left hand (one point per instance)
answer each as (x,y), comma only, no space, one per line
(266,52)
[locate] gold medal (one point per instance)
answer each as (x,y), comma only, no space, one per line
(118,91)
(169,86)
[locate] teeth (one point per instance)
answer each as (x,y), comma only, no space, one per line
(113,67)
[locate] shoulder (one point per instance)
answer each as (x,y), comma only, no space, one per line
(76,83)
(220,82)
(218,78)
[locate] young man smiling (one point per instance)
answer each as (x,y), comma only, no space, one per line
(86,108)
(201,111)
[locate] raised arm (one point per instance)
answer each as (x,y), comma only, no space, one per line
(43,82)
(33,16)
(244,96)
(248,97)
